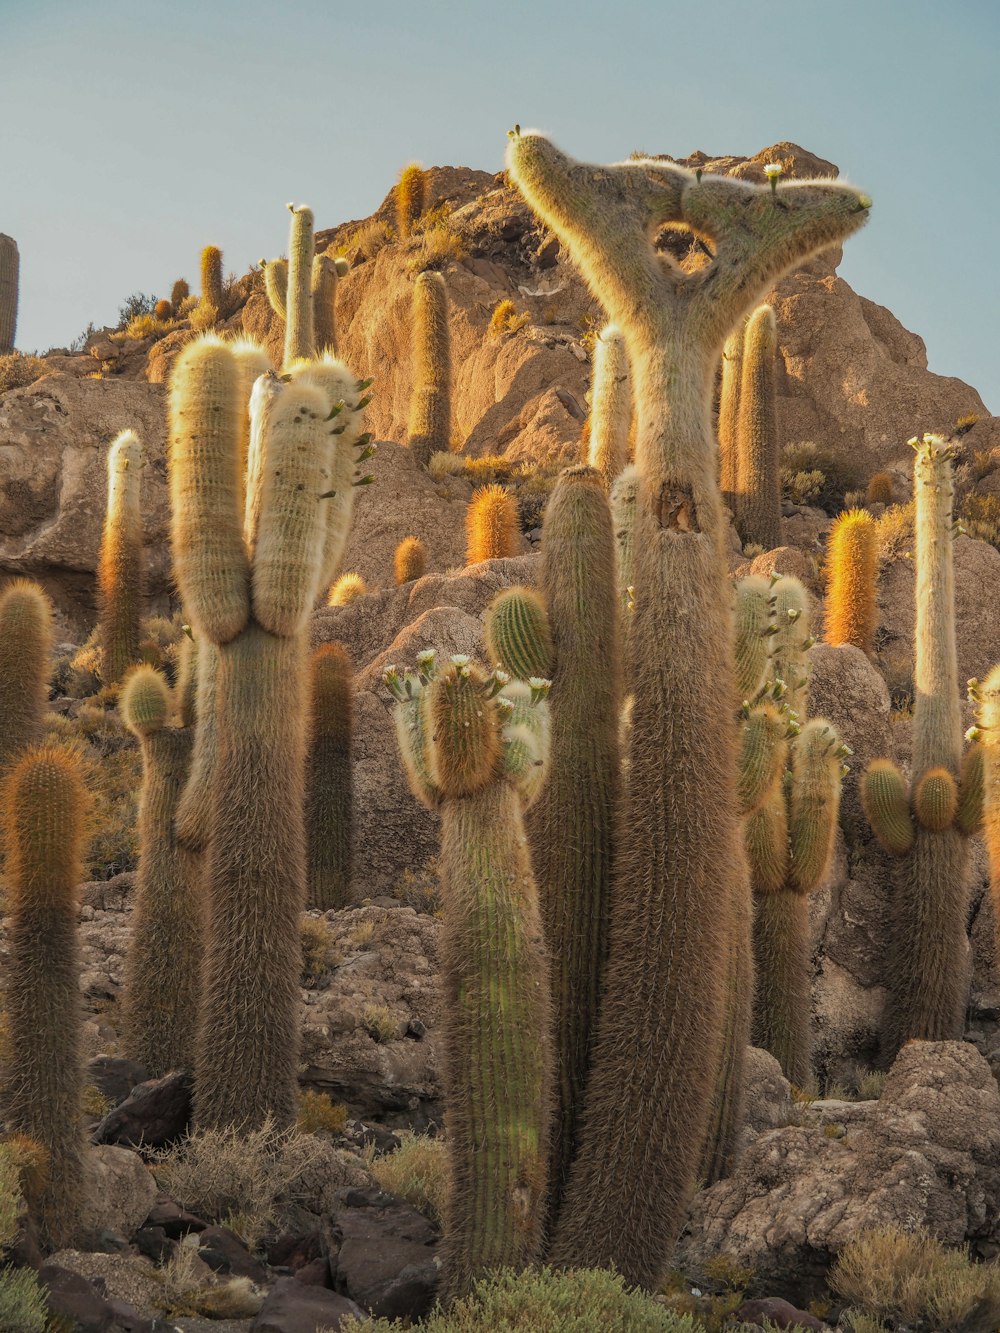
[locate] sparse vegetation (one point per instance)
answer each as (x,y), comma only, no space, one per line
(379,1023)
(319,951)
(318,1113)
(418,1171)
(506,319)
(18,369)
(838,474)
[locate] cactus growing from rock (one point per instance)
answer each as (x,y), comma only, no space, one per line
(44,809)
(329,799)
(928,822)
(473,756)
(729,408)
(10,263)
(758,502)
(411,198)
(179,293)
(659,1042)
(250,595)
(852,565)
(429,430)
(880,488)
(518,634)
(211,282)
(25,667)
(348,588)
(491,525)
(120,580)
(410,560)
(610,406)
(161,988)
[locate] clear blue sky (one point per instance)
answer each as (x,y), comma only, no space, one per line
(137,132)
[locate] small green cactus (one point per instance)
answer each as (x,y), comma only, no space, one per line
(518,635)
(25,667)
(120,572)
(429,430)
(9,272)
(329,787)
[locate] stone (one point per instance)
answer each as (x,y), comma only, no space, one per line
(76,1300)
(385,1256)
(294,1307)
(773,1312)
(174,1220)
(225,1252)
(154,1114)
(767,1094)
(120,1193)
(114,1076)
(117,1277)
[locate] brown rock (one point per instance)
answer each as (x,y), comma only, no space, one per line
(293,1307)
(120,1193)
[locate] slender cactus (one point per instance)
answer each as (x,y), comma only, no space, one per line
(326,274)
(852,561)
(300,326)
(179,293)
(211,280)
(680,863)
(329,788)
(729,408)
(9,274)
(120,572)
(610,406)
(430,401)
(411,198)
(25,667)
(758,508)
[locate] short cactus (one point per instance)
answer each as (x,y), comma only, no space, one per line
(9,274)
(120,580)
(410,560)
(411,198)
(161,989)
(880,488)
(179,293)
(163,310)
(472,754)
(852,565)
(429,430)
(929,822)
(329,820)
(25,667)
(44,810)
(610,406)
(758,505)
(491,525)
(348,588)
(211,283)
(518,635)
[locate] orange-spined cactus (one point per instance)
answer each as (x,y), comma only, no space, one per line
(880,489)
(491,524)
(411,197)
(25,667)
(852,568)
(410,561)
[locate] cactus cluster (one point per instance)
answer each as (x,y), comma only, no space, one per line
(302,290)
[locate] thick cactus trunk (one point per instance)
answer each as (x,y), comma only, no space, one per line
(782,1007)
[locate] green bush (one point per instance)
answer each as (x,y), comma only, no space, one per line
(800,462)
(18,369)
(418,1171)
(22,1302)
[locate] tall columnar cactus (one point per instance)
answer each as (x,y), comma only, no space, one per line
(679,862)
(44,807)
(300,326)
(25,667)
(411,198)
(491,524)
(474,756)
(211,279)
(161,991)
(329,786)
(429,428)
(989,753)
(852,569)
(9,271)
(571,826)
(327,270)
(610,406)
(120,572)
(928,822)
(729,408)
(410,560)
(789,834)
(758,507)
(249,595)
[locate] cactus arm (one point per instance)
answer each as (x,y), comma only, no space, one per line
(410,719)
(276,285)
(610,405)
(790,641)
(763,753)
(120,572)
(935,800)
(814,800)
(624,493)
(766,837)
(518,634)
(729,401)
(300,333)
(324,298)
(753,618)
(887,807)
(759,473)
(26,643)
(971,791)
(251,362)
(527,737)
(263,396)
(195,805)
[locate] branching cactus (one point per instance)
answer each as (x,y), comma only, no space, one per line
(329,788)
(120,572)
(44,813)
(25,667)
(729,406)
(680,861)
(610,406)
(927,821)
(302,290)
(249,571)
(476,755)
(9,271)
(852,564)
(758,507)
(161,992)
(430,401)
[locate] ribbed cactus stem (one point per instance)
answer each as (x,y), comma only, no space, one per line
(161,988)
(26,641)
(623,499)
(783,1004)
(762,755)
(195,804)
(753,620)
(9,275)
(814,803)
(326,273)
(429,429)
(729,406)
(518,634)
(179,293)
(886,802)
(211,278)
(300,330)
(411,198)
(989,723)
(572,825)
(329,784)
(852,564)
(409,561)
(44,807)
(251,363)
(276,285)
(120,571)
(491,524)
(759,485)
(658,1052)
(610,406)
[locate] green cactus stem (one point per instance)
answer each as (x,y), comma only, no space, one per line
(518,635)
(429,429)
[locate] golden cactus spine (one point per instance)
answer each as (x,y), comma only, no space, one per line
(25,667)
(644,1122)
(880,488)
(410,560)
(729,408)
(852,565)
(347,589)
(10,263)
(474,756)
(989,754)
(120,574)
(429,430)
(610,406)
(179,293)
(411,198)
(491,525)
(759,472)
(161,988)
(329,781)
(300,328)
(211,280)
(44,811)
(254,613)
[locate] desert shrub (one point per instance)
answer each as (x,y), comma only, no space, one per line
(22,1302)
(319,952)
(317,1112)
(438,246)
(379,1023)
(369,238)
(148,326)
(979,515)
(186,306)
(894,532)
(505,319)
(187,1293)
(871,1085)
(80,341)
(243,1176)
(982,464)
(418,1171)
(558,1302)
(964,424)
(912,1279)
(94,1102)
(840,473)
(802,488)
(167,635)
(133,306)
(420,889)
(443,464)
(361,933)
(18,369)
